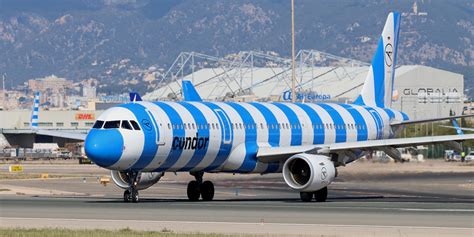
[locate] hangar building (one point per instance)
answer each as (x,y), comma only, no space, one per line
(420,91)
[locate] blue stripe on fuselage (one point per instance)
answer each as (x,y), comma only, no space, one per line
(296,135)
(341,135)
(250,160)
(202,132)
(148,128)
(273,132)
(378,121)
(359,120)
(178,131)
(390,113)
(318,128)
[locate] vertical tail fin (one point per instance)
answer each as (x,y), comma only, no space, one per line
(378,87)
(135,97)
(189,92)
(34,115)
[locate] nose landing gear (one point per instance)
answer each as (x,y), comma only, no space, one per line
(197,188)
(131,193)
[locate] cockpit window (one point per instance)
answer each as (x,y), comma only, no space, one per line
(126,125)
(135,125)
(112,124)
(98,124)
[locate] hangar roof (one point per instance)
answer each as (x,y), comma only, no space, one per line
(270,83)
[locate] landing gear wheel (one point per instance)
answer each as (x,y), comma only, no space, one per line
(193,191)
(207,191)
(135,196)
(321,195)
(131,193)
(126,196)
(306,196)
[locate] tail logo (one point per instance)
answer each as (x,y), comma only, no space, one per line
(388,54)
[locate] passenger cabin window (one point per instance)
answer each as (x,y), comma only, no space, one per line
(126,125)
(98,124)
(135,125)
(112,124)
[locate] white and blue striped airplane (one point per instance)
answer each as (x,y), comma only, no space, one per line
(140,141)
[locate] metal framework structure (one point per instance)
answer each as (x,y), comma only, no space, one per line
(238,69)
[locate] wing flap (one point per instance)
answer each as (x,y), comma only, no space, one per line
(274,154)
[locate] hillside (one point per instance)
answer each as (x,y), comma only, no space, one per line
(116,41)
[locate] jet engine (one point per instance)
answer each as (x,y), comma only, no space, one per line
(307,173)
(146,180)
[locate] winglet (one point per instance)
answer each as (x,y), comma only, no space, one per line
(456,126)
(34,115)
(189,92)
(135,97)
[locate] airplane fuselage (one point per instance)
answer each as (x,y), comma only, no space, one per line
(225,136)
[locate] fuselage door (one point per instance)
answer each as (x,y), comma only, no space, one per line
(154,123)
(225,121)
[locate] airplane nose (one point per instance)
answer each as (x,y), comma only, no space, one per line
(104,147)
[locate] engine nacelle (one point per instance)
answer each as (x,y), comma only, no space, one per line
(307,173)
(147,179)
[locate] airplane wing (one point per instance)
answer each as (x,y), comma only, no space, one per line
(81,136)
(430,120)
(75,134)
(458,128)
(272,154)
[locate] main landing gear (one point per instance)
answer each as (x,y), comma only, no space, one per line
(197,188)
(320,195)
(131,193)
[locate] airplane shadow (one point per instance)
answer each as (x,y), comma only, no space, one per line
(237,200)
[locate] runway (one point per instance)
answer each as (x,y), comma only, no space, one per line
(379,204)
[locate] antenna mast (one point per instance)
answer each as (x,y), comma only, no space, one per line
(293,76)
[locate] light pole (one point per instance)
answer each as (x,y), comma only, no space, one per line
(293,76)
(3,91)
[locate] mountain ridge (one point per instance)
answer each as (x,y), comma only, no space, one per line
(115,41)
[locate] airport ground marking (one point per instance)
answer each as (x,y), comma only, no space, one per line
(55,220)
